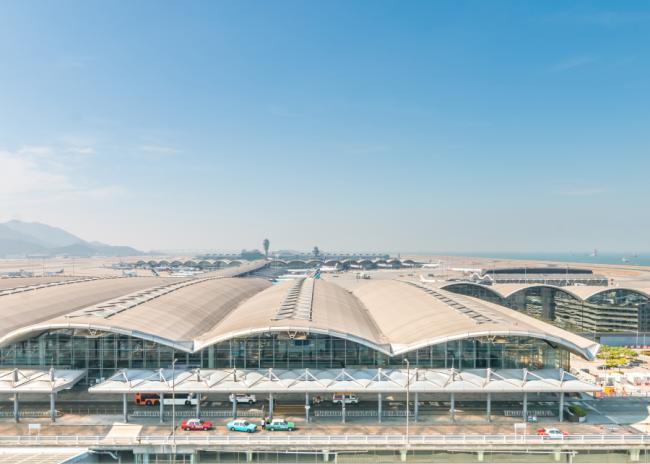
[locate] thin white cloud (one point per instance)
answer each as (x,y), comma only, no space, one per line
(40,173)
(158,149)
(572,63)
(23,172)
(82,150)
(78,145)
(36,150)
(108,191)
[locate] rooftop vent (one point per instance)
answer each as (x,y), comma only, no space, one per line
(297,304)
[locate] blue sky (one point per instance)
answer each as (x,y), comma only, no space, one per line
(363,125)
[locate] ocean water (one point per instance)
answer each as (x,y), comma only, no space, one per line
(621,258)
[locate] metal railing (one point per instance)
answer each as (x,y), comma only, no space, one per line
(203,413)
(30,413)
(318,440)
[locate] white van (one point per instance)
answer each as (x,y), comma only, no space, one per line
(347,398)
(179,399)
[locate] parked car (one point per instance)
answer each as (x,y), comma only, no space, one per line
(280,424)
(240,425)
(348,398)
(196,424)
(242,398)
(552,433)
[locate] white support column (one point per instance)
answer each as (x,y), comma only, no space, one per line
(249,456)
(161,406)
(198,405)
(416,407)
(402,455)
(271,405)
(52,407)
(326,455)
(635,455)
(16,408)
(489,407)
(481,456)
(234,406)
(379,405)
(561,411)
(343,410)
(307,407)
(524,411)
(452,408)
(125,409)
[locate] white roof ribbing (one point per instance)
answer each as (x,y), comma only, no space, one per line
(342,380)
(38,380)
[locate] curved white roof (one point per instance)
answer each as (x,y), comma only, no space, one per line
(391,316)
(579,292)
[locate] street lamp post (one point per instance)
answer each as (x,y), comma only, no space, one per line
(408,387)
(174,403)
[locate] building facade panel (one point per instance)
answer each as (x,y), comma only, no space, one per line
(102,353)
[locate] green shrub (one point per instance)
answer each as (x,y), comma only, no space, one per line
(617,352)
(578,410)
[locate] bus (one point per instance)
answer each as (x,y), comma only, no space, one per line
(153,399)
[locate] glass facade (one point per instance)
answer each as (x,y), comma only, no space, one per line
(610,311)
(102,353)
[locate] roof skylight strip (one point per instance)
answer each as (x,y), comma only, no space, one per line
(475,315)
(109,308)
(297,303)
(28,288)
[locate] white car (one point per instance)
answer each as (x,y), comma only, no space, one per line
(552,433)
(347,398)
(242,398)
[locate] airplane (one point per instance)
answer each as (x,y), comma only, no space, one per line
(21,273)
(467,270)
(120,265)
(183,273)
(334,268)
(432,265)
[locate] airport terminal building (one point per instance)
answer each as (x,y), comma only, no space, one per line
(610,315)
(224,321)
(230,332)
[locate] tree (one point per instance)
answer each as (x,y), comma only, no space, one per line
(316,251)
(266,244)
